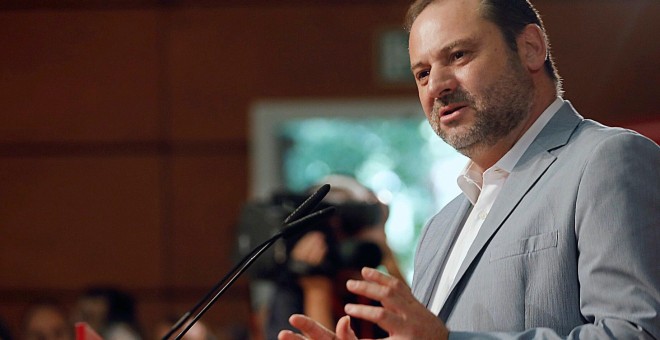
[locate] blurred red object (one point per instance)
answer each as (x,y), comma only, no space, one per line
(85,332)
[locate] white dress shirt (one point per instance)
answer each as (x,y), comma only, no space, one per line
(482,190)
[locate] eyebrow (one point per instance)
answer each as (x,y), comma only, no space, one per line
(469,41)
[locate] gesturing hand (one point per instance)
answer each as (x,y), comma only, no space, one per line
(401,315)
(312,330)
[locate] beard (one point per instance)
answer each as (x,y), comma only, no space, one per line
(499,109)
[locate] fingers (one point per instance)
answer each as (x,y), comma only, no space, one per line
(310,328)
(377,276)
(400,314)
(377,315)
(381,287)
(289,335)
(412,323)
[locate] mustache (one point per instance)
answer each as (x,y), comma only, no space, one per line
(457,96)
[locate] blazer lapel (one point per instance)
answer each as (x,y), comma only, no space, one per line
(531,166)
(445,238)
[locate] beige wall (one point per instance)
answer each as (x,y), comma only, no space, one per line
(123,127)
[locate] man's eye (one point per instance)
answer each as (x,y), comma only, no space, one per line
(457,55)
(422,75)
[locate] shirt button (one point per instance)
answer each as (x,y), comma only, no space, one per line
(482,215)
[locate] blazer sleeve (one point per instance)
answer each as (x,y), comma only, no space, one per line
(617,218)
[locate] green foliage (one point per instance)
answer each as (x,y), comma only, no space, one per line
(390,155)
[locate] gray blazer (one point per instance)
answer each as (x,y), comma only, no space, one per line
(570,247)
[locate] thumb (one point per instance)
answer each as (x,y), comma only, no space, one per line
(344,330)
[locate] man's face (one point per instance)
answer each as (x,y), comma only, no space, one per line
(473,88)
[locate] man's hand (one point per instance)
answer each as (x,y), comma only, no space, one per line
(312,330)
(401,315)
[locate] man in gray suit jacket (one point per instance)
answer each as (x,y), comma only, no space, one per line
(556,234)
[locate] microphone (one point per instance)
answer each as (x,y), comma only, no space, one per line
(293,225)
(309,204)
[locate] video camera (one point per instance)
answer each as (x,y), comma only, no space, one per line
(260,219)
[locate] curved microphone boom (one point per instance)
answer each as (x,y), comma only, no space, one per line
(296,222)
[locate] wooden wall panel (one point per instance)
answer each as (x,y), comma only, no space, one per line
(221,59)
(324,51)
(78,75)
(208,192)
(608,55)
(211,64)
(69,222)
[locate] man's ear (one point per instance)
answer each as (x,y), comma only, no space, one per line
(532,47)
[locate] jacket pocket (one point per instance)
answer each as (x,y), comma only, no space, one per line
(525,246)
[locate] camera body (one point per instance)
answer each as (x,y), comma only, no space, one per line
(261,219)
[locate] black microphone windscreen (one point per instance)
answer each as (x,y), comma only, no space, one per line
(309,204)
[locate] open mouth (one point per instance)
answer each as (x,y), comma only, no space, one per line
(448,110)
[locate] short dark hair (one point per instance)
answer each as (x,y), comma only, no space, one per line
(511,16)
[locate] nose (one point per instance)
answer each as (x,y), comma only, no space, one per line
(441,82)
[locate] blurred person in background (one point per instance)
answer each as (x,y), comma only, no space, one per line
(110,312)
(46,320)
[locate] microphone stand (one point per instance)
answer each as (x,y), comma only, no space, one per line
(185,317)
(219,288)
(236,273)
